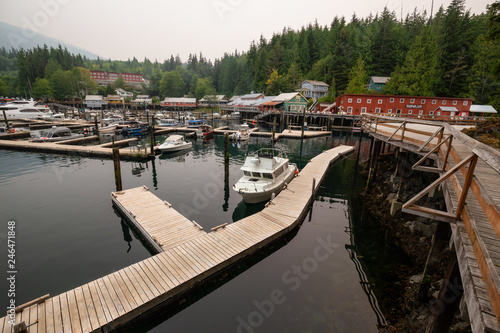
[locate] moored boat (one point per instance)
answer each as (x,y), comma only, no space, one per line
(54,134)
(265,173)
(168,123)
(205,131)
(174,143)
(242,134)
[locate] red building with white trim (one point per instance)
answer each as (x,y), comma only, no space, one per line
(104,78)
(403,106)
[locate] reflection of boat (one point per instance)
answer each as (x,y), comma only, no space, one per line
(168,123)
(204,131)
(264,173)
(242,134)
(243,210)
(54,134)
(174,143)
(216,115)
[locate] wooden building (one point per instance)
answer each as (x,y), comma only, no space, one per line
(179,103)
(406,106)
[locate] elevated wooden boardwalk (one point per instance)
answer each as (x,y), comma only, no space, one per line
(470,175)
(106,303)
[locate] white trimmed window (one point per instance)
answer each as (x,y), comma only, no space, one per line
(444,102)
(421,112)
(349,109)
(363,110)
(431,113)
(391,100)
(465,102)
(410,111)
(402,100)
(434,101)
(379,101)
(349,100)
(422,101)
(455,102)
(412,100)
(377,110)
(369,100)
(389,111)
(358,100)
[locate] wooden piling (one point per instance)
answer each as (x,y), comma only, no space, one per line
(116,164)
(226,153)
(5,119)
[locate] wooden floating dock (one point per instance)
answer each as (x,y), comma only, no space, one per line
(160,224)
(113,300)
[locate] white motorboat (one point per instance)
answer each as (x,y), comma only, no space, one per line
(242,134)
(265,173)
(174,143)
(235,115)
(168,123)
(108,129)
(54,134)
(23,109)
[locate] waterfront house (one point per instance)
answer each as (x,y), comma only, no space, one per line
(94,101)
(289,102)
(405,106)
(115,99)
(377,83)
(214,100)
(313,89)
(179,103)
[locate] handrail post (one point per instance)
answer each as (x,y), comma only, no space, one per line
(465,188)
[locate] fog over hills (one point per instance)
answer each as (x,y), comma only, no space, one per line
(15,37)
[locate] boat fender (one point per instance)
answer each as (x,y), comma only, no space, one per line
(296,173)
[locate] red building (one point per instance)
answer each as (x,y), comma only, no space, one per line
(103,78)
(404,106)
(175,103)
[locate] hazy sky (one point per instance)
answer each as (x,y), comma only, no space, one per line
(156,29)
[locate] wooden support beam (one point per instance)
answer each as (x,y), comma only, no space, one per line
(448,299)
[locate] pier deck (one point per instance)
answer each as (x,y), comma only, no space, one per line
(476,231)
(155,219)
(106,303)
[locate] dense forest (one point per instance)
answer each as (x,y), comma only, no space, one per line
(453,53)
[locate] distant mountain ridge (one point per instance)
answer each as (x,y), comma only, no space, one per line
(15,37)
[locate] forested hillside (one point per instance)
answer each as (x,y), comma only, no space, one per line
(454,53)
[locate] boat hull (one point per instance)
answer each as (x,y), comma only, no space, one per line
(260,196)
(175,149)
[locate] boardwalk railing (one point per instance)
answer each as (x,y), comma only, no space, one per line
(439,141)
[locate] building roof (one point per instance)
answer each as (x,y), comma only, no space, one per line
(216,98)
(482,108)
(318,83)
(286,97)
(448,108)
(179,100)
(251,96)
(235,97)
(380,79)
(93,98)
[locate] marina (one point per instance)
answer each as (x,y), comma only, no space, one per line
(111,301)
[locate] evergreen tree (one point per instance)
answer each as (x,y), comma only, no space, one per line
(172,85)
(4,90)
(357,78)
(419,74)
(41,89)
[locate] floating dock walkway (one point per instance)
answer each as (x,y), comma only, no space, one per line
(113,300)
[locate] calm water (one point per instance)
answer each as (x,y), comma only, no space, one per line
(68,234)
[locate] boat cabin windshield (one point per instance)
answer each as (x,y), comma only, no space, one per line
(266,175)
